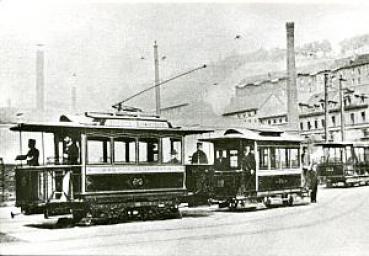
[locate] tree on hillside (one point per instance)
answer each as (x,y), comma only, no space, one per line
(354,43)
(315,48)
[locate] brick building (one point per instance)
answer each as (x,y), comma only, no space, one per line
(265,102)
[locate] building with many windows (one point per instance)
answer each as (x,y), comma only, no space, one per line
(265,102)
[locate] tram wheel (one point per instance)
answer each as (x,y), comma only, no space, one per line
(290,201)
(46,213)
(267,203)
(174,213)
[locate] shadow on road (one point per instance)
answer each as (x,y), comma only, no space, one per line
(4,238)
(60,224)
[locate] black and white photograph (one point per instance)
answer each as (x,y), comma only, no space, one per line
(182,128)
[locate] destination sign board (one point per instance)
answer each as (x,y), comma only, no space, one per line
(136,123)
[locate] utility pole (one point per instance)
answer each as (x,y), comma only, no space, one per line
(342,106)
(74,93)
(157,79)
(326,106)
(40,77)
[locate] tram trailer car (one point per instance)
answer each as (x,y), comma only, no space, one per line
(128,165)
(344,163)
(277,176)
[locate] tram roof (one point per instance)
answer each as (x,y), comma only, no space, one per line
(256,135)
(55,127)
(343,144)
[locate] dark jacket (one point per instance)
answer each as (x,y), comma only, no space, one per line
(248,162)
(199,157)
(221,163)
(32,157)
(72,154)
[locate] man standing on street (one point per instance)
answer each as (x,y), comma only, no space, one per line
(313,176)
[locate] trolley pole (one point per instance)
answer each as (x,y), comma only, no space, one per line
(157,79)
(326,106)
(342,108)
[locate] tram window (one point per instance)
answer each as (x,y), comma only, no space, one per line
(124,150)
(171,150)
(233,158)
(359,154)
(294,158)
(349,156)
(148,150)
(263,158)
(283,154)
(282,158)
(274,158)
(98,151)
(366,154)
(224,153)
(335,155)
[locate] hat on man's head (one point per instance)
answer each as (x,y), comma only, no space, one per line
(199,143)
(32,142)
(173,152)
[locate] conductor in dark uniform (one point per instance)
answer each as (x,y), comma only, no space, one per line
(313,182)
(248,161)
(221,162)
(199,157)
(248,166)
(71,153)
(313,175)
(32,154)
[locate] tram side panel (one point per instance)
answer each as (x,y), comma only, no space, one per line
(279,182)
(27,189)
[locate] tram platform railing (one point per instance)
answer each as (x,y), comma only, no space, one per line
(38,185)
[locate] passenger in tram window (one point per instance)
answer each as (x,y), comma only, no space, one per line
(199,157)
(221,162)
(174,157)
(32,154)
(71,154)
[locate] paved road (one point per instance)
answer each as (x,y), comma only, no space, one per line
(337,225)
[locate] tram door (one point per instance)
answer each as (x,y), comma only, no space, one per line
(234,167)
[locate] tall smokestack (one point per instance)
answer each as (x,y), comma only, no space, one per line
(293,114)
(40,77)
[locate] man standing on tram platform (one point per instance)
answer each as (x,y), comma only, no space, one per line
(32,154)
(70,156)
(71,153)
(248,166)
(199,157)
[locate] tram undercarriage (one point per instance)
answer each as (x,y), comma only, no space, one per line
(107,209)
(287,198)
(347,181)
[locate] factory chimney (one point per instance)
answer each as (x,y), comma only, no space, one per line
(40,77)
(292,98)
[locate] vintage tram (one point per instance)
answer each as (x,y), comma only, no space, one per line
(344,163)
(253,166)
(128,164)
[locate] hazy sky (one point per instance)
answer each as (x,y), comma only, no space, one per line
(102,42)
